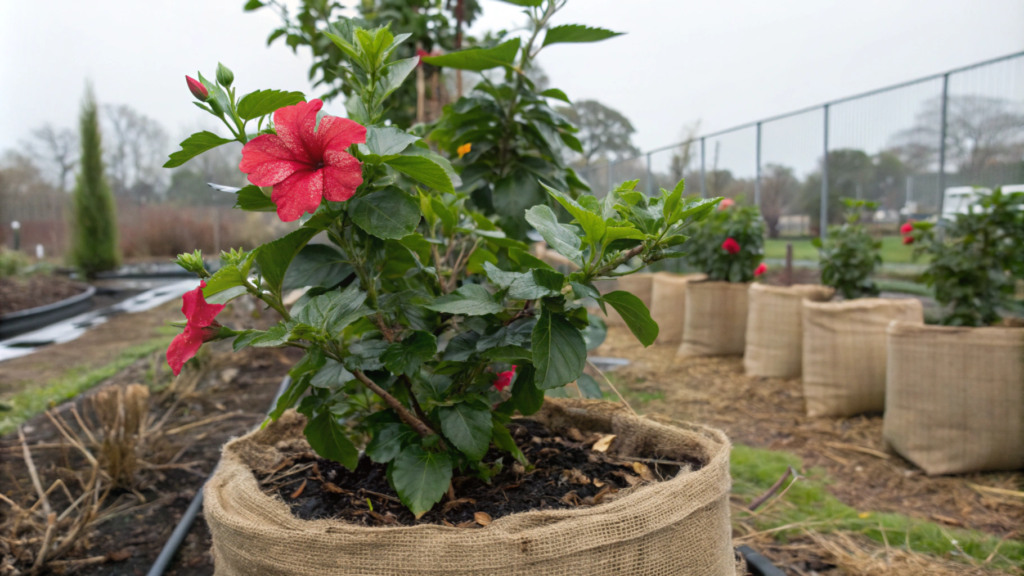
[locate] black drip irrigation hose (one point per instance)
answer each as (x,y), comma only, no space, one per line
(759,565)
(185,524)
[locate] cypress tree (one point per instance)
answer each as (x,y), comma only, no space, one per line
(95,245)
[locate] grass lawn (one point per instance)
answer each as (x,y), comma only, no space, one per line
(893,250)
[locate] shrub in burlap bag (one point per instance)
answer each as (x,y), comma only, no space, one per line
(716,319)
(955,397)
(680,526)
(668,304)
(775,328)
(845,353)
(639,285)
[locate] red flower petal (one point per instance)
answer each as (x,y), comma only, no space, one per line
(908,239)
(761,269)
(183,347)
(301,192)
(906,228)
(731,246)
(295,126)
(268,161)
(198,313)
(338,134)
(342,175)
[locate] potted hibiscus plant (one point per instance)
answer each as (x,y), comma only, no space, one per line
(425,330)
(954,399)
(844,351)
(729,248)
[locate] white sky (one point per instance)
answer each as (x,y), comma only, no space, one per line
(724,62)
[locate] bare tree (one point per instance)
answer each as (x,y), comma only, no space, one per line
(779,188)
(57,151)
(136,149)
(683,154)
(603,131)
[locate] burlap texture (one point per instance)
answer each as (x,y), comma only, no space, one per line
(668,304)
(955,397)
(680,526)
(845,353)
(639,285)
(716,319)
(775,328)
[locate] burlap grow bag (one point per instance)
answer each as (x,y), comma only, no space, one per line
(716,319)
(955,397)
(680,526)
(775,328)
(639,285)
(845,353)
(668,304)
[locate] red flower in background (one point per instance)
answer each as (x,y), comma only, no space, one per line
(504,379)
(201,327)
(197,89)
(731,246)
(761,269)
(305,163)
(907,228)
(908,239)
(725,203)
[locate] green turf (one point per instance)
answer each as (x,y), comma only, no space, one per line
(809,504)
(893,250)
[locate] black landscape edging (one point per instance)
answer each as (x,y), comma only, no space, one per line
(759,565)
(31,319)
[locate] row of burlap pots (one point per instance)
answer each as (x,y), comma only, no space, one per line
(679,526)
(775,328)
(844,352)
(955,397)
(716,319)
(668,305)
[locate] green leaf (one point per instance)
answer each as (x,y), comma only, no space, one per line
(468,427)
(387,140)
(613,233)
(448,220)
(503,439)
(405,357)
(317,265)
(672,200)
(509,354)
(331,375)
(263,102)
(515,193)
(333,311)
(388,441)
(421,478)
(291,395)
(389,213)
(481,256)
(589,387)
(525,394)
(423,169)
(577,33)
(328,439)
(394,75)
(469,300)
(635,314)
(556,94)
(461,347)
(275,257)
(559,352)
(193,146)
(252,199)
(535,284)
(478,59)
(592,223)
(560,238)
(524,2)
(500,277)
(595,332)
(252,5)
(527,260)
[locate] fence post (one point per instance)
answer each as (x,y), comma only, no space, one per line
(942,143)
(650,189)
(823,222)
(703,178)
(757,176)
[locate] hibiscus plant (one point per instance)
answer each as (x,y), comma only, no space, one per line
(849,254)
(729,245)
(424,327)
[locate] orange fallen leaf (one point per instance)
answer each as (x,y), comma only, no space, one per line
(603,443)
(482,518)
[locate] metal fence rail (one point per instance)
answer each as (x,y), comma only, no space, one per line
(900,145)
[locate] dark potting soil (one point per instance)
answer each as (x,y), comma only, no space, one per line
(566,473)
(18,294)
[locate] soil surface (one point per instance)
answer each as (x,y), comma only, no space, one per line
(187,420)
(565,473)
(18,294)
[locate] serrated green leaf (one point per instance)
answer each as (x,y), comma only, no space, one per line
(263,102)
(559,351)
(275,257)
(537,283)
(252,199)
(589,387)
(592,223)
(468,427)
(405,357)
(333,311)
(478,59)
(526,396)
(387,443)
(423,169)
(317,265)
(421,478)
(291,395)
(503,439)
(389,213)
(508,354)
(329,440)
(332,375)
(577,33)
(193,146)
(469,300)
(560,238)
(635,314)
(387,140)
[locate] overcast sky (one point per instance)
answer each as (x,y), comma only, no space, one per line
(723,62)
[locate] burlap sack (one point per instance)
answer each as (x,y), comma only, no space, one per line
(955,397)
(775,328)
(716,319)
(680,526)
(639,285)
(668,304)
(845,353)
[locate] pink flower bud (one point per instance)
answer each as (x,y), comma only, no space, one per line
(725,203)
(907,228)
(761,269)
(731,246)
(197,89)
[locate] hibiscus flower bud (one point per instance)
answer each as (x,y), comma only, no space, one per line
(224,75)
(761,269)
(908,239)
(465,149)
(197,89)
(725,203)
(907,228)
(731,246)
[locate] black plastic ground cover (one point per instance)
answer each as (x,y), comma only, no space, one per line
(31,319)
(759,565)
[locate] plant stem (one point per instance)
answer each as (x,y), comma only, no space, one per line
(621,259)
(418,425)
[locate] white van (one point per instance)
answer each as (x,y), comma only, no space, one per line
(958,199)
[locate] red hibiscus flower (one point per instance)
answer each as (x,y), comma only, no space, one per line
(504,379)
(907,228)
(731,246)
(201,327)
(727,202)
(761,269)
(908,239)
(304,163)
